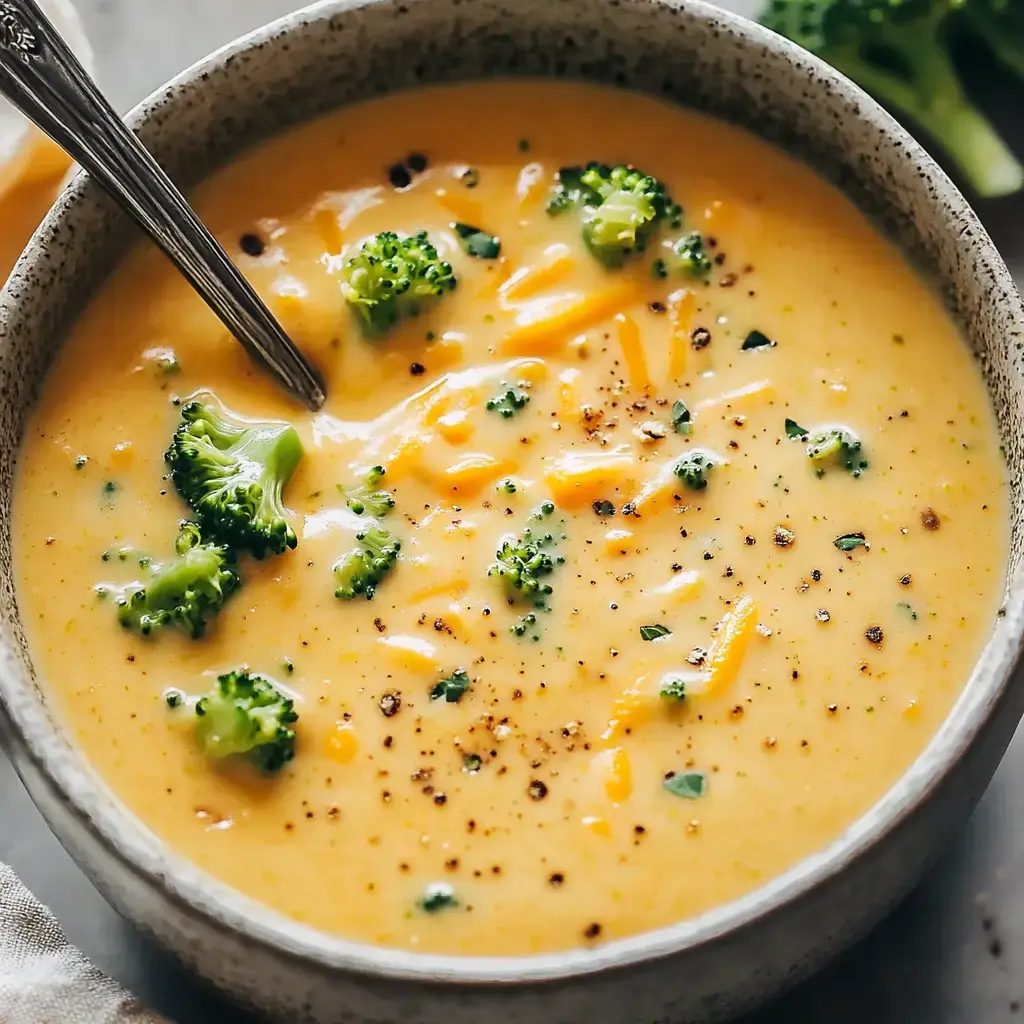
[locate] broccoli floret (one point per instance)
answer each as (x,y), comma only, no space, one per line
(694,467)
(673,687)
(363,569)
(508,402)
(897,50)
(233,473)
(621,207)
(246,714)
(840,445)
(184,592)
(686,255)
(523,561)
(390,277)
(369,497)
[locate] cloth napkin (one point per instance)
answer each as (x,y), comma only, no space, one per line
(45,980)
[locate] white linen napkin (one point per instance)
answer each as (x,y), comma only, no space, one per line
(43,979)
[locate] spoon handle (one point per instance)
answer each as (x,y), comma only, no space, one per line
(41,76)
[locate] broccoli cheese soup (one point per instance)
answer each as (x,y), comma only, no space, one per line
(653,524)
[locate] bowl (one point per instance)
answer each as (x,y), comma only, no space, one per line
(723,961)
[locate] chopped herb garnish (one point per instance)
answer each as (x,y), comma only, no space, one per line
(451,688)
(794,431)
(681,417)
(476,242)
(907,609)
(603,508)
(654,632)
(691,785)
(110,488)
(472,763)
(849,541)
(506,486)
(755,339)
(673,688)
(508,403)
(437,896)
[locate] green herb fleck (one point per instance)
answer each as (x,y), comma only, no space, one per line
(437,896)
(523,624)
(451,688)
(508,403)
(755,339)
(524,145)
(476,242)
(690,785)
(681,417)
(506,486)
(472,763)
(110,488)
(654,632)
(849,541)
(794,431)
(907,609)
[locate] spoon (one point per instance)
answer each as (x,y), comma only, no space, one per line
(42,77)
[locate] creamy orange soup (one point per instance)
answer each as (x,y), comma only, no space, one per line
(720,681)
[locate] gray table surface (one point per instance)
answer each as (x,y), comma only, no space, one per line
(953,953)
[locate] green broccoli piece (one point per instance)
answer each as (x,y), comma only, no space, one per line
(390,277)
(840,445)
(363,569)
(686,255)
(673,687)
(522,562)
(369,497)
(897,50)
(232,473)
(184,592)
(694,467)
(245,714)
(621,207)
(508,402)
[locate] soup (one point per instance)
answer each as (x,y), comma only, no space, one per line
(628,570)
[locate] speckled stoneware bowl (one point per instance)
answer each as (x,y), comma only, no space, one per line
(704,969)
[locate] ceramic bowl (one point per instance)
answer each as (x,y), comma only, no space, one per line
(723,961)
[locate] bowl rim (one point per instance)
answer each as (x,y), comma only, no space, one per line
(36,741)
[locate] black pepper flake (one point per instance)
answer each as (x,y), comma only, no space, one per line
(416,162)
(537,789)
(592,931)
(822,615)
(783,537)
(417,369)
(816,575)
(700,338)
(440,799)
(905,580)
(556,880)
(657,307)
(749,541)
(399,176)
(390,703)
(874,634)
(252,245)
(929,520)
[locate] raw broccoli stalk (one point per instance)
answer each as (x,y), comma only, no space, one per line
(184,592)
(363,569)
(233,474)
(621,207)
(247,715)
(390,278)
(368,497)
(896,50)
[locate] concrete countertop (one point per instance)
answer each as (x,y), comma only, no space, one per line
(953,953)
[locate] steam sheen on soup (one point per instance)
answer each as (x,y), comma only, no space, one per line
(691,524)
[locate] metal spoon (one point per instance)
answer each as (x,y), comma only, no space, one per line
(41,76)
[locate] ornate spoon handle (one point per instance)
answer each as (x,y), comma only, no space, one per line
(41,76)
